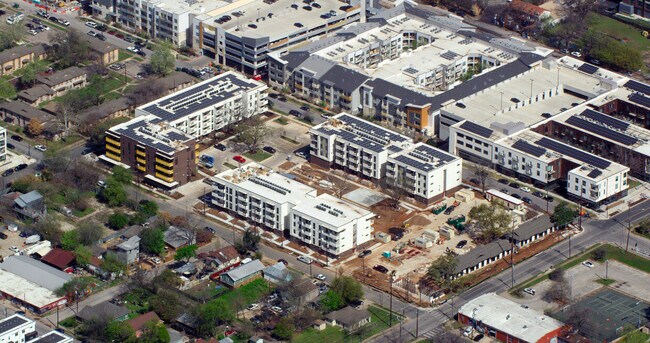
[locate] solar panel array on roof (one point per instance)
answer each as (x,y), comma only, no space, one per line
(414,163)
(588,68)
(11,323)
(638,86)
(410,70)
(601,130)
(573,152)
(594,173)
(393,148)
(605,119)
(437,154)
(372,129)
(640,99)
(476,128)
(449,55)
(526,147)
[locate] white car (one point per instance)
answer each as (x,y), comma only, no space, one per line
(32,32)
(320,277)
(530,291)
(156,260)
(253,306)
(64,22)
(14,248)
(40,148)
(132,49)
(588,264)
(525,189)
(304,259)
(91,24)
(44,27)
(468,331)
(101,183)
(92,33)
(576,53)
(277,309)
(273,297)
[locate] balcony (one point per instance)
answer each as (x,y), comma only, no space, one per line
(112,141)
(142,167)
(168,170)
(165,178)
(113,156)
(113,149)
(164,163)
(141,160)
(140,153)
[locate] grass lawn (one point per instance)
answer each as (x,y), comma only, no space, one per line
(380,320)
(123,55)
(229,165)
(633,183)
(259,156)
(630,259)
(84,213)
(207,290)
(139,59)
(619,30)
(605,282)
(137,301)
(250,292)
(290,140)
(112,96)
(282,121)
(330,334)
(69,322)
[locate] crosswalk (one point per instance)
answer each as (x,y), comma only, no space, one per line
(432,333)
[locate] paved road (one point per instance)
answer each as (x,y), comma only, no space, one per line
(286,106)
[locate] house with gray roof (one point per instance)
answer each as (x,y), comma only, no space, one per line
(176,237)
(104,310)
(30,205)
(481,256)
(127,251)
(35,271)
(243,274)
(20,113)
(532,231)
(19,56)
(36,94)
(64,80)
(277,273)
(349,318)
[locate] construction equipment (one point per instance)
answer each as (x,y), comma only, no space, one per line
(439,209)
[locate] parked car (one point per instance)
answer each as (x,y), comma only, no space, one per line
(11,146)
(91,24)
(92,33)
(514,185)
(3,235)
(461,244)
(538,194)
(475,181)
(468,331)
(239,159)
(320,277)
(301,154)
(380,269)
(101,183)
(478,337)
(516,196)
(40,148)
(504,181)
(269,149)
(8,172)
(14,248)
(505,191)
(576,53)
(20,167)
(365,253)
(295,113)
(530,291)
(220,147)
(527,200)
(283,262)
(277,309)
(141,53)
(305,108)
(304,259)
(253,306)
(100,37)
(588,264)
(17,138)
(525,189)
(549,198)
(450,209)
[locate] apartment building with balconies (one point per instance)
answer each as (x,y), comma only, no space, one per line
(332,225)
(424,172)
(210,105)
(3,144)
(17,57)
(162,155)
(354,145)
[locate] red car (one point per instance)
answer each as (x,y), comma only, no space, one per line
(119,35)
(239,159)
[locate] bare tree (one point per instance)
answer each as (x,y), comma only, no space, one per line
(482,174)
(445,336)
(559,292)
(67,113)
(145,92)
(395,188)
(340,185)
(579,321)
(251,133)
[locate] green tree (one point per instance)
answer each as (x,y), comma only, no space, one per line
(284,329)
(49,229)
(122,175)
(148,208)
(111,264)
(69,240)
(118,332)
(332,301)
(76,287)
(348,288)
(89,232)
(162,60)
(152,240)
(113,194)
(563,214)
(442,269)
(154,333)
(212,314)
(251,132)
(167,279)
(635,336)
(10,35)
(7,90)
(611,51)
(490,222)
(166,304)
(250,240)
(82,255)
(30,71)
(118,220)
(186,252)
(69,48)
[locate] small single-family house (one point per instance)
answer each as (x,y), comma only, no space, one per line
(243,274)
(59,258)
(30,205)
(139,323)
(349,318)
(104,310)
(127,251)
(277,273)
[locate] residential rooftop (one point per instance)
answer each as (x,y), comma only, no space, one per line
(52,337)
(329,209)
(188,6)
(35,271)
(245,270)
(148,131)
(266,183)
(361,132)
(12,322)
(424,157)
(509,317)
(21,288)
(61,76)
(198,97)
(276,19)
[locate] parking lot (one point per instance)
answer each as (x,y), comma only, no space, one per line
(13,240)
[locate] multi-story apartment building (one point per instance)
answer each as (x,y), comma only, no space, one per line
(638,7)
(209,105)
(52,337)
(18,57)
(258,194)
(64,80)
(354,145)
(427,173)
(3,144)
(330,224)
(16,328)
(275,202)
(164,155)
(241,34)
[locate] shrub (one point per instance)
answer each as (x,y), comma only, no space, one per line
(599,254)
(557,274)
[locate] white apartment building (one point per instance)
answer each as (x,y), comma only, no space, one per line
(355,145)
(594,185)
(210,105)
(52,337)
(13,329)
(3,144)
(331,224)
(271,200)
(425,172)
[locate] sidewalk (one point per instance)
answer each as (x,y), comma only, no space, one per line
(634,196)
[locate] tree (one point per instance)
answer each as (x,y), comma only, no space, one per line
(146,92)
(642,229)
(611,51)
(57,161)
(186,253)
(482,174)
(395,188)
(348,288)
(304,317)
(340,185)
(154,333)
(152,240)
(118,220)
(34,127)
(489,222)
(558,292)
(7,90)
(162,60)
(211,314)
(89,233)
(556,275)
(82,255)
(148,208)
(600,254)
(49,229)
(444,336)
(250,240)
(114,193)
(332,301)
(579,321)
(284,329)
(635,336)
(442,269)
(69,240)
(75,288)
(10,35)
(122,175)
(251,133)
(118,332)
(166,304)
(29,72)
(69,48)
(112,265)
(95,329)
(563,214)
(166,279)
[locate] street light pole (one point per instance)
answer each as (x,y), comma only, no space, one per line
(629,227)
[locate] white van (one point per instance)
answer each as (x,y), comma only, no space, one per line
(15,18)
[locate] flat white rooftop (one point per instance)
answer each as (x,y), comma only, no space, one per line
(266,183)
(509,317)
(194,7)
(331,210)
(30,292)
(277,19)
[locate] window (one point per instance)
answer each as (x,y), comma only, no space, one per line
(459,142)
(584,183)
(576,188)
(538,166)
(538,173)
(509,154)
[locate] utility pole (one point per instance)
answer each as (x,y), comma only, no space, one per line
(390,316)
(512,254)
(606,268)
(400,326)
(629,227)
(417,322)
